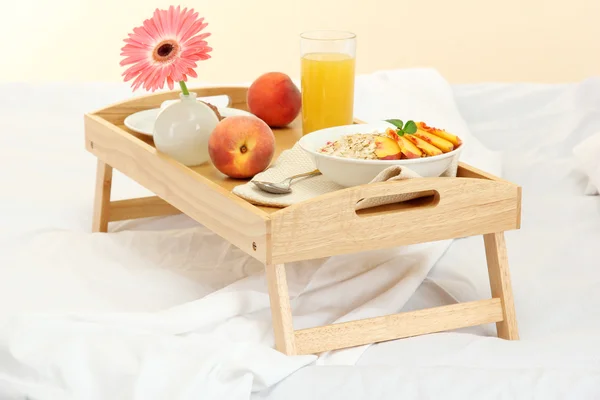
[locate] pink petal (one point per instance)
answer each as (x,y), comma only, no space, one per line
(141,34)
(174,20)
(192,57)
(133,59)
(192,73)
(150,80)
(133,52)
(132,44)
(180,68)
(184,63)
(164,22)
(186,22)
(138,67)
(156,20)
(151,30)
(171,71)
(196,27)
(164,74)
(144,74)
(135,70)
(170,83)
(194,54)
(136,84)
(197,41)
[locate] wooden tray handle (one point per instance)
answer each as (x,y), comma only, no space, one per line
(406,195)
(406,186)
(443,193)
(397,203)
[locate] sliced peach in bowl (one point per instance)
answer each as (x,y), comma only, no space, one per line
(409,150)
(427,148)
(437,141)
(387,149)
(455,140)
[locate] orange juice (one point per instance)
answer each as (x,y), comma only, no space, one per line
(327,90)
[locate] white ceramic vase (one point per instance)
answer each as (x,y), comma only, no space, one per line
(182,129)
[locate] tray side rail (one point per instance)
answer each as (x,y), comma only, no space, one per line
(396,326)
(449,208)
(232,218)
(116,113)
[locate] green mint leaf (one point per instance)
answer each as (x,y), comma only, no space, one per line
(396,122)
(410,127)
(400,132)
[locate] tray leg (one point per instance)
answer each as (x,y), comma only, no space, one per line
(497,261)
(281,310)
(102,197)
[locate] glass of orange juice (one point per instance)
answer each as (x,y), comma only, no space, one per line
(327,83)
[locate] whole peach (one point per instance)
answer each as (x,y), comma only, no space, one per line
(241,146)
(275,99)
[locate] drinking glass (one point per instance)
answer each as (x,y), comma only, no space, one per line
(327,71)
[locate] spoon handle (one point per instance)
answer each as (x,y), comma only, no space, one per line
(315,172)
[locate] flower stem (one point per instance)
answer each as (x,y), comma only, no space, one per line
(184,88)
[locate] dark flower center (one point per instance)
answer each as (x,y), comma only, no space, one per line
(165,49)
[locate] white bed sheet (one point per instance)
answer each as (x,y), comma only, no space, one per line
(555,267)
(554,263)
(587,154)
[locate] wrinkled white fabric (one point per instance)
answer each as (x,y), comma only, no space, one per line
(588,156)
(162,308)
(553,262)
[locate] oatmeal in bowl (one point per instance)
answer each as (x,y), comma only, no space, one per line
(363,146)
(353,155)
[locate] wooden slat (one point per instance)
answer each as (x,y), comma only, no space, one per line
(281,311)
(143,207)
(101,214)
(374,330)
(468,171)
(497,260)
(328,225)
(227,215)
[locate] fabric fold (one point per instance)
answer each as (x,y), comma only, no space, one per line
(587,154)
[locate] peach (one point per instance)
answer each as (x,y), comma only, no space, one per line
(455,140)
(409,149)
(437,141)
(241,146)
(275,99)
(387,149)
(427,148)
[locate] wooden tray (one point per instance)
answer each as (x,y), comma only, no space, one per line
(473,203)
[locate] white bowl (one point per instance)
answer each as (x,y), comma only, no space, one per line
(353,172)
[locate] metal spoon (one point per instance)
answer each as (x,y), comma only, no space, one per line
(283,186)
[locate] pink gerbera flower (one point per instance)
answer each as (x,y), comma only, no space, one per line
(165,49)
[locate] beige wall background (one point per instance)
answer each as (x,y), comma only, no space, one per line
(466,40)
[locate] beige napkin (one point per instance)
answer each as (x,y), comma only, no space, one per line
(296,161)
